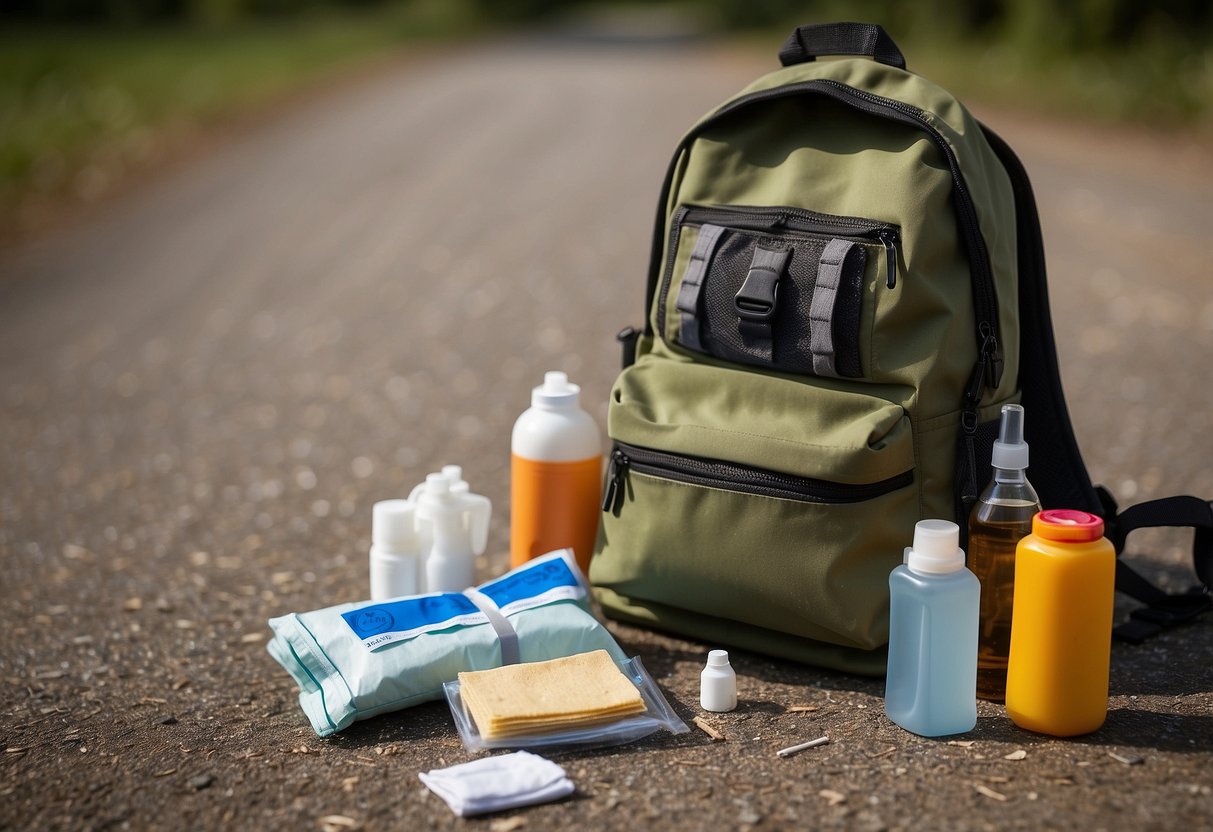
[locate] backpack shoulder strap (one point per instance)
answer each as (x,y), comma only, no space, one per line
(1161,610)
(1059,473)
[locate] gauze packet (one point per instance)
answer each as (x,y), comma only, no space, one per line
(354,661)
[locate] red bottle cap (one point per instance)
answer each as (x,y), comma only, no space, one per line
(1067,525)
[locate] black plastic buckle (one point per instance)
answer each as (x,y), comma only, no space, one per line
(755,300)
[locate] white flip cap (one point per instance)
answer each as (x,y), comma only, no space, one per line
(393,524)
(556,391)
(936,548)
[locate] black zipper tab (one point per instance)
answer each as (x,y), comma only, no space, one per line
(612,500)
(889,238)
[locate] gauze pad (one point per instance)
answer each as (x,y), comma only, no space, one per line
(353,661)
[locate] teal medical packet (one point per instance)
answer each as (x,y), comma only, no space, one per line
(354,661)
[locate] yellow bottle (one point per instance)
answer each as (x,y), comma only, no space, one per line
(1061,630)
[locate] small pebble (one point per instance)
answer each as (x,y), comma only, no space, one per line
(201,781)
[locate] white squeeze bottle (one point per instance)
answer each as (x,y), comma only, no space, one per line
(396,550)
(555,475)
(478,530)
(931,688)
(457,527)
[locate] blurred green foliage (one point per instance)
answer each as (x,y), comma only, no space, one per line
(89,88)
(83,104)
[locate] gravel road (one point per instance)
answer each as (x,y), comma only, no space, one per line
(205,387)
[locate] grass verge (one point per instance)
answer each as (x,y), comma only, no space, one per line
(81,107)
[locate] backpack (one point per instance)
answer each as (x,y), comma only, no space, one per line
(846,285)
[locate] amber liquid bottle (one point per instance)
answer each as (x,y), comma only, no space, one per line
(1000,519)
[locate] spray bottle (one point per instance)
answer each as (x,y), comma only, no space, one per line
(555,475)
(456,527)
(459,486)
(933,600)
(1002,516)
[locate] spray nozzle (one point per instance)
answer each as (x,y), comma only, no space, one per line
(1010,451)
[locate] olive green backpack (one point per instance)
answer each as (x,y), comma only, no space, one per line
(843,263)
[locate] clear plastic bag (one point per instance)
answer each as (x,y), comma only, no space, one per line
(657,715)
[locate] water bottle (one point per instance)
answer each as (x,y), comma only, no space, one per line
(456,527)
(931,688)
(1000,519)
(555,475)
(1061,636)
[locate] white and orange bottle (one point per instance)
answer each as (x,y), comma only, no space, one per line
(555,475)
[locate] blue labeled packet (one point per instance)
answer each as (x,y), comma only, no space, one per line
(354,661)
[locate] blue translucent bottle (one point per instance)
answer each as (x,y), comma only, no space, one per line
(931,687)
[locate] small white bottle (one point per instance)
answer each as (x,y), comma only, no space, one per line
(457,527)
(396,550)
(718,683)
(555,475)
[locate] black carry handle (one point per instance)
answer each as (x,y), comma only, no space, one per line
(1162,610)
(815,40)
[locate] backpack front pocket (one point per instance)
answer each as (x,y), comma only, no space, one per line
(718,520)
(782,288)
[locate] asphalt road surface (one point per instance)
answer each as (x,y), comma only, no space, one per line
(204,388)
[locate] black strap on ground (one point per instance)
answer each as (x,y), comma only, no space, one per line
(1162,610)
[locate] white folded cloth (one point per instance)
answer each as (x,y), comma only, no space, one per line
(491,784)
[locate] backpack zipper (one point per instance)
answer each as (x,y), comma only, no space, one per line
(984,300)
(799,220)
(774,220)
(731,476)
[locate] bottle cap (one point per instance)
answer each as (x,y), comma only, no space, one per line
(454,473)
(393,524)
(556,391)
(1068,525)
(1010,450)
(936,548)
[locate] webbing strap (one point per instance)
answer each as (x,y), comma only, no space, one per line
(506,634)
(1162,609)
(821,309)
(692,285)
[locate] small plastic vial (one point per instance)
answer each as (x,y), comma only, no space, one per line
(396,551)
(718,683)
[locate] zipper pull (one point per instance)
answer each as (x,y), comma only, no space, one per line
(889,238)
(612,501)
(990,355)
